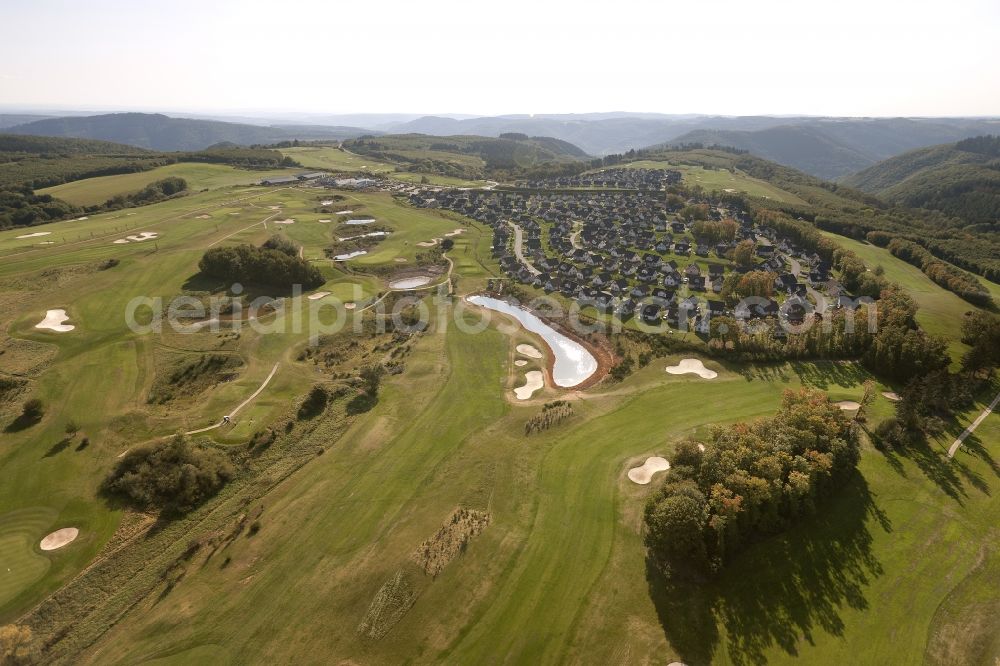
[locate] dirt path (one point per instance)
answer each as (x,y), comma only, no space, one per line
(238,407)
(957,444)
(796,270)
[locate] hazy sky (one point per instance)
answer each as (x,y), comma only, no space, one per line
(850,57)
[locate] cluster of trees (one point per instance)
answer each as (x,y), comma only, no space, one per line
(751,480)
(173,476)
(723,231)
(744,254)
(260,265)
(981,331)
(155,191)
(21,207)
(940,272)
(737,286)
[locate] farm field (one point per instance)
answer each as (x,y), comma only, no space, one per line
(95,191)
(890,570)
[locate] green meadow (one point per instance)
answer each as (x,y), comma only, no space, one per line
(721,179)
(892,570)
(95,191)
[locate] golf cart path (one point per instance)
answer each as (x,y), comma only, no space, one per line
(975,424)
(238,407)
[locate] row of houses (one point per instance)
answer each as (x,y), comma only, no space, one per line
(606,250)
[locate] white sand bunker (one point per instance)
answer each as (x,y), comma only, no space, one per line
(410,283)
(529,351)
(520,363)
(54,321)
(275,207)
(288,221)
(343,212)
(350,255)
(367,220)
(325,203)
(644,473)
(204,217)
(325,221)
(891,395)
(36,234)
(534,382)
(350,306)
(455,232)
(139,237)
(318,295)
(59,538)
(848,405)
(430,243)
(692,366)
(400,260)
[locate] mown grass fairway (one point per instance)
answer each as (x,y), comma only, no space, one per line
(891,571)
(95,191)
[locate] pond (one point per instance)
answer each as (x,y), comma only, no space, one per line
(573,363)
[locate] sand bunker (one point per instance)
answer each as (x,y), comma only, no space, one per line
(328,202)
(275,207)
(374,234)
(520,363)
(455,232)
(35,235)
(529,351)
(400,260)
(54,321)
(325,221)
(350,306)
(318,295)
(288,221)
(692,366)
(891,395)
(410,283)
(139,237)
(350,255)
(59,538)
(644,474)
(342,212)
(534,382)
(204,217)
(364,221)
(848,405)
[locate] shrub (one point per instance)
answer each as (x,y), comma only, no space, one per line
(173,476)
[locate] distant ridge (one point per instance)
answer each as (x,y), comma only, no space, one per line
(156,131)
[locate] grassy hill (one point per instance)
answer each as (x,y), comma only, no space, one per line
(159,132)
(832,148)
(95,191)
(960,179)
(466,156)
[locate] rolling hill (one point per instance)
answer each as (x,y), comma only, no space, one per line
(960,179)
(160,132)
(833,148)
(466,156)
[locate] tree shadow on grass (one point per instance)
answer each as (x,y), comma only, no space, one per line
(22,422)
(781,591)
(58,447)
(824,374)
